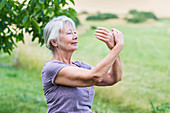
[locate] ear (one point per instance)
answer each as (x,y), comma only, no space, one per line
(53,43)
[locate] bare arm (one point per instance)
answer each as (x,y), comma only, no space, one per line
(115,73)
(78,77)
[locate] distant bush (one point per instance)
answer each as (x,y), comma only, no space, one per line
(133,11)
(148,15)
(102,16)
(93,27)
(84,12)
(138,17)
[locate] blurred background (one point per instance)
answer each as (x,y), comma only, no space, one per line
(159,7)
(145,59)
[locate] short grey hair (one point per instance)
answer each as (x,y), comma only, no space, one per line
(53,28)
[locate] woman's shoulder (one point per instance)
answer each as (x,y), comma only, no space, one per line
(53,64)
(82,65)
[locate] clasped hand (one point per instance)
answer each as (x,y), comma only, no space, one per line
(110,38)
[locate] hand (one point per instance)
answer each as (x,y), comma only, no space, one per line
(118,36)
(106,36)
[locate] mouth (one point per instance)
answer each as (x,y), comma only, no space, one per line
(74,43)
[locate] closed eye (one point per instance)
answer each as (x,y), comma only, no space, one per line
(69,33)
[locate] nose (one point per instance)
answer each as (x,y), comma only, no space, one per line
(75,37)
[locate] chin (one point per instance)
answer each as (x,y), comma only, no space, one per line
(74,49)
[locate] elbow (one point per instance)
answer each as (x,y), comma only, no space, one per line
(96,79)
(118,79)
(115,81)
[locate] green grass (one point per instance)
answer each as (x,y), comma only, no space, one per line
(146,68)
(145,60)
(21,91)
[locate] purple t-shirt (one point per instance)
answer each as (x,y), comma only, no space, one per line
(65,98)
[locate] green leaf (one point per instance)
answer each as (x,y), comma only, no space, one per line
(2,4)
(32,2)
(41,1)
(59,1)
(35,24)
(72,1)
(28,22)
(64,3)
(31,15)
(24,21)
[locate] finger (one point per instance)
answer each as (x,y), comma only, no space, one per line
(101,38)
(101,35)
(102,28)
(114,30)
(117,31)
(101,31)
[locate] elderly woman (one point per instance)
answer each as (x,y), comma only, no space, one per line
(67,85)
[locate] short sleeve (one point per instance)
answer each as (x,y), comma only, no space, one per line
(50,71)
(83,65)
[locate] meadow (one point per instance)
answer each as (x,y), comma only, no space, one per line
(145,60)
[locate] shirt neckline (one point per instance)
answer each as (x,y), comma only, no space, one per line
(73,62)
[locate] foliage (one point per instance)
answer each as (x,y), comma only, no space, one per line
(133,11)
(138,17)
(93,27)
(84,12)
(149,15)
(102,16)
(30,16)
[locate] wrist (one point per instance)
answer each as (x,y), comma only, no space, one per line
(116,49)
(111,46)
(120,45)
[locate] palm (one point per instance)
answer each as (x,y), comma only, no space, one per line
(110,43)
(105,36)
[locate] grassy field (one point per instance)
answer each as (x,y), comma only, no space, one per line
(145,60)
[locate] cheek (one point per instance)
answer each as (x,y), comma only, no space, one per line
(65,39)
(64,42)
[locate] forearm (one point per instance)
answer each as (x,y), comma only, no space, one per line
(116,70)
(102,68)
(114,75)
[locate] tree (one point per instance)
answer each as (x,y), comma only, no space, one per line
(30,16)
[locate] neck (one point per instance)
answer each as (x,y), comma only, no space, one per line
(62,56)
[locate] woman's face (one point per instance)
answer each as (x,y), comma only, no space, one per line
(68,38)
